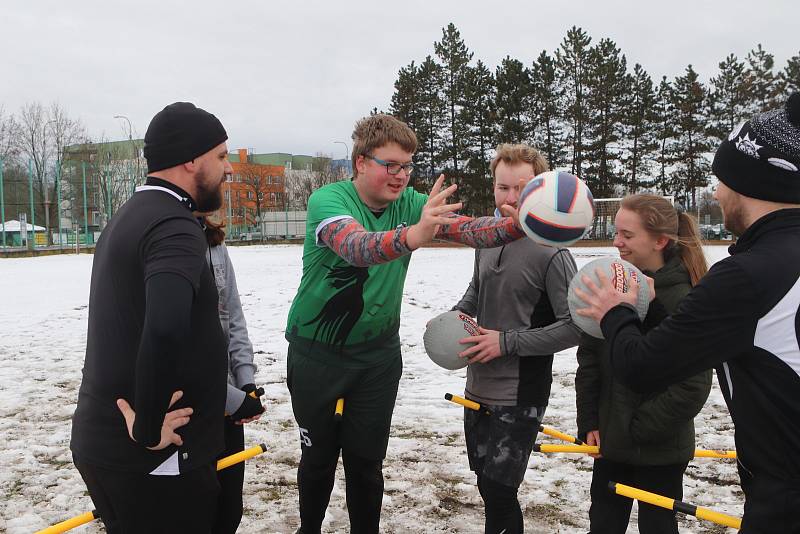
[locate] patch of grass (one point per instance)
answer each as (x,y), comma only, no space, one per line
(549,514)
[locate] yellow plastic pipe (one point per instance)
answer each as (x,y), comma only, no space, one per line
(240,456)
(552,432)
(593,449)
(705,453)
(69,524)
(575,449)
(466,403)
(88,517)
(678,506)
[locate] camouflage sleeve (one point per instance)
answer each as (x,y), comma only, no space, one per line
(351,242)
(480,232)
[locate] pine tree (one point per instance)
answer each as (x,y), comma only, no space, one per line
(572,59)
(546,98)
(729,99)
(405,103)
(692,141)
(607,87)
(790,76)
(664,112)
(479,113)
(513,93)
(640,131)
(431,121)
(454,57)
(763,87)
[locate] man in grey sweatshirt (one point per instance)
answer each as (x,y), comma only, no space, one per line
(518,293)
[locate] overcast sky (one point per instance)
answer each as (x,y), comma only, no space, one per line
(293,76)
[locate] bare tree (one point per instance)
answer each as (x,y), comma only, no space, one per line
(258,185)
(301,183)
(112,174)
(42,135)
(8,136)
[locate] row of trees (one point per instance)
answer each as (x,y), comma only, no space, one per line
(32,142)
(585,109)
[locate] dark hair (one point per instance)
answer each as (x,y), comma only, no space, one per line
(215,234)
(659,217)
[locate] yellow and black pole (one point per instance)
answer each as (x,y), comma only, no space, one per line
(553,433)
(339,411)
(466,403)
(594,449)
(574,449)
(672,504)
(69,524)
(88,517)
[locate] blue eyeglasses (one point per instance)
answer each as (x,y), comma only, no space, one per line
(392,167)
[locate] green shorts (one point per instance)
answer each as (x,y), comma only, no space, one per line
(369,395)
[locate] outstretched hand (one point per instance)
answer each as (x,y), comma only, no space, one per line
(172,421)
(434,214)
(601,298)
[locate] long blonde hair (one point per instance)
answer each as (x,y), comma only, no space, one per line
(659,217)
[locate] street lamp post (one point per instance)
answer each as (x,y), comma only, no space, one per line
(47,192)
(346,152)
(133,150)
(346,148)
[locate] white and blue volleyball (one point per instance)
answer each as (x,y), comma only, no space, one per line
(556,209)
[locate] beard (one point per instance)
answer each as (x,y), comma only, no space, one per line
(209,196)
(734,219)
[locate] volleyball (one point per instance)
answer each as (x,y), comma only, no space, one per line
(556,209)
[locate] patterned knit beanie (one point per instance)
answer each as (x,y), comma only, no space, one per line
(761,157)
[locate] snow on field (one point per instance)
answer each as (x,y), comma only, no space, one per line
(428,485)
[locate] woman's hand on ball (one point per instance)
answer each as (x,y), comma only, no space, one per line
(486,348)
(601,298)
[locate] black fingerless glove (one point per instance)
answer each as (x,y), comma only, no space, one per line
(250,408)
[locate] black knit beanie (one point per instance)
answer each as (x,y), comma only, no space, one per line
(179,133)
(761,158)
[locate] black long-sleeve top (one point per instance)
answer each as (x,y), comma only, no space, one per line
(153,329)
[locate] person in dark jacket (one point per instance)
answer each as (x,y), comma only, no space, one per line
(742,318)
(646,440)
(511,363)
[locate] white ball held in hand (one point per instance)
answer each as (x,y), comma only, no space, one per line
(620,272)
(442,335)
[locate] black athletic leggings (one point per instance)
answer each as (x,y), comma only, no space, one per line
(502,509)
(364,489)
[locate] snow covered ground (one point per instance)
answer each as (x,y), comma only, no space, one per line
(428,485)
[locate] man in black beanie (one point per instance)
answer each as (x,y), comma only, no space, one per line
(149,422)
(742,318)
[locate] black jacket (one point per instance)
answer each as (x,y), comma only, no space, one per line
(742,318)
(654,428)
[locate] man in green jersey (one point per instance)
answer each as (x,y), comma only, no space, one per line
(343,324)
